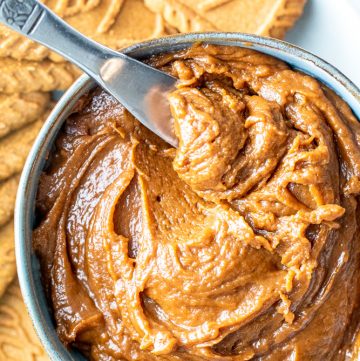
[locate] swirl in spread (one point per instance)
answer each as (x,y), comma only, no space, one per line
(242,244)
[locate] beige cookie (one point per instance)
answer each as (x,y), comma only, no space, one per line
(18,340)
(262,17)
(7,258)
(8,190)
(14,45)
(15,147)
(65,8)
(19,109)
(29,76)
(117,23)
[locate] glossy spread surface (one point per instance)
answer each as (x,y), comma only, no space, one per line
(242,244)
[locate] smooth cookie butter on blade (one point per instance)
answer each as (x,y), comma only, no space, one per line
(242,244)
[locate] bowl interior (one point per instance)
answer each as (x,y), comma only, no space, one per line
(27,263)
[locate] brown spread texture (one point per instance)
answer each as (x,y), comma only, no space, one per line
(242,244)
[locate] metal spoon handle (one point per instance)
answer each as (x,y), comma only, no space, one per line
(139,87)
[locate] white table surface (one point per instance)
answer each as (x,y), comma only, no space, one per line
(331,30)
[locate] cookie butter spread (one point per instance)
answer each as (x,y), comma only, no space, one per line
(242,244)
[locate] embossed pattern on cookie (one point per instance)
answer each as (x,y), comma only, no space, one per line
(19,109)
(118,23)
(110,16)
(65,8)
(26,76)
(207,5)
(7,262)
(15,148)
(8,190)
(262,17)
(14,45)
(182,17)
(290,11)
(18,341)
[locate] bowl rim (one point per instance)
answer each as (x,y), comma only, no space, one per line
(27,268)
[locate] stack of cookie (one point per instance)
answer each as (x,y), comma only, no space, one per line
(29,73)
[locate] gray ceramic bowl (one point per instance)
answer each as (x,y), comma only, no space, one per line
(27,263)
